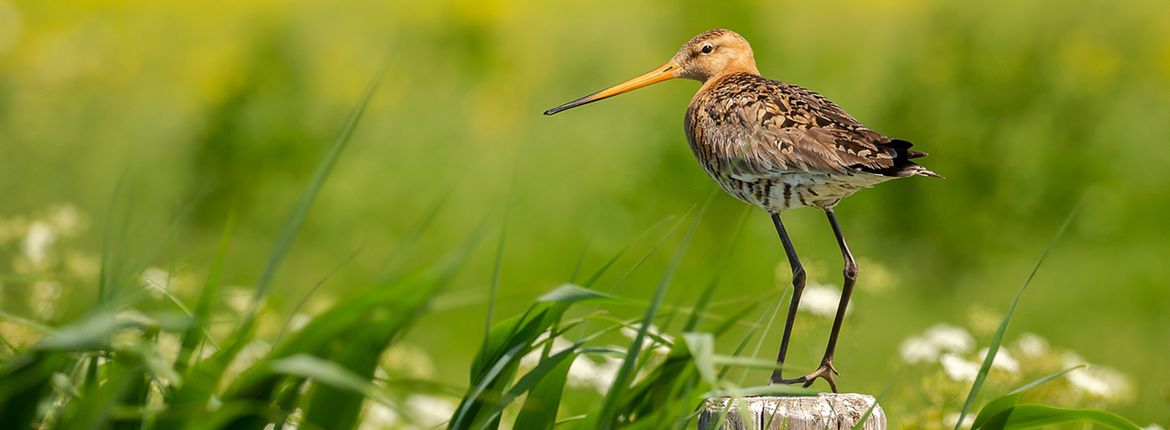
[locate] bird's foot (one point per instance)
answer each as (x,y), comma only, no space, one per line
(826,372)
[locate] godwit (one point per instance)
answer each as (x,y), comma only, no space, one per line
(776,146)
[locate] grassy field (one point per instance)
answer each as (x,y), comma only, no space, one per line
(135,135)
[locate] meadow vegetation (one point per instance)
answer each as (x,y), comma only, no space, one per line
(195,219)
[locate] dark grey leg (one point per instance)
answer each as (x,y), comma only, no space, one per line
(797,288)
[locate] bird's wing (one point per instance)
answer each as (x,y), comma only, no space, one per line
(775,127)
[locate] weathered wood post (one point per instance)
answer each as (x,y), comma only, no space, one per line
(823,411)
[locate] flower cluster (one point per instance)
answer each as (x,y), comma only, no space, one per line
(951,362)
(38,268)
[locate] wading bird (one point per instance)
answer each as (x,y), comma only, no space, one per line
(776,146)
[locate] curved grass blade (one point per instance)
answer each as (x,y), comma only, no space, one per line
(27,379)
(329,373)
(1009,400)
(584,252)
(291,227)
(997,339)
(202,315)
(94,410)
(607,417)
(415,233)
(539,411)
(549,366)
(1032,416)
(305,299)
(764,335)
(709,290)
(638,263)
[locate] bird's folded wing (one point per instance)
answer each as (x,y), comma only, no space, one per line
(794,129)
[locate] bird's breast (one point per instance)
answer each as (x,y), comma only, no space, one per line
(722,142)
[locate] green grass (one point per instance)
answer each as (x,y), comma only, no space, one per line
(105,370)
(192,139)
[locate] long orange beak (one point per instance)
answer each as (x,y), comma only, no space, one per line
(667,71)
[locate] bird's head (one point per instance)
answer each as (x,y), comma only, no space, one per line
(713,53)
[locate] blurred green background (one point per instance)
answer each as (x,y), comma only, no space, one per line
(201,108)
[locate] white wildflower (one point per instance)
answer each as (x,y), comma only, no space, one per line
(135,316)
(584,372)
(950,339)
(936,340)
(408,360)
(156,281)
(82,265)
(533,357)
(169,345)
(821,300)
(298,321)
(44,298)
(917,349)
(292,422)
(1031,345)
(429,411)
(239,299)
(649,343)
(65,219)
(249,355)
(379,416)
(957,368)
(1003,360)
(1153,426)
(951,419)
(1099,381)
(1071,359)
(37,241)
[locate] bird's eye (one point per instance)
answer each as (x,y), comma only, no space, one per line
(707,49)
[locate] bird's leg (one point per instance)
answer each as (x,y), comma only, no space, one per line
(826,370)
(797,288)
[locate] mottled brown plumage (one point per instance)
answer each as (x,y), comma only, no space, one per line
(776,146)
(779,146)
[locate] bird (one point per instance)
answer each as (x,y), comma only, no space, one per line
(776,146)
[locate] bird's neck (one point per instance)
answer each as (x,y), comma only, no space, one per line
(712,81)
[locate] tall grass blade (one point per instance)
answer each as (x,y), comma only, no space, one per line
(353,334)
(194,335)
(293,225)
(546,368)
(415,233)
(288,323)
(498,264)
(720,267)
(497,362)
(592,278)
(767,328)
(1009,400)
(93,410)
(27,379)
(607,417)
(1033,416)
(997,339)
(584,252)
(108,261)
(329,373)
(539,411)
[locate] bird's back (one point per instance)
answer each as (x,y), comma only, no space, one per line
(780,146)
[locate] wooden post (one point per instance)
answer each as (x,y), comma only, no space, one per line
(823,411)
